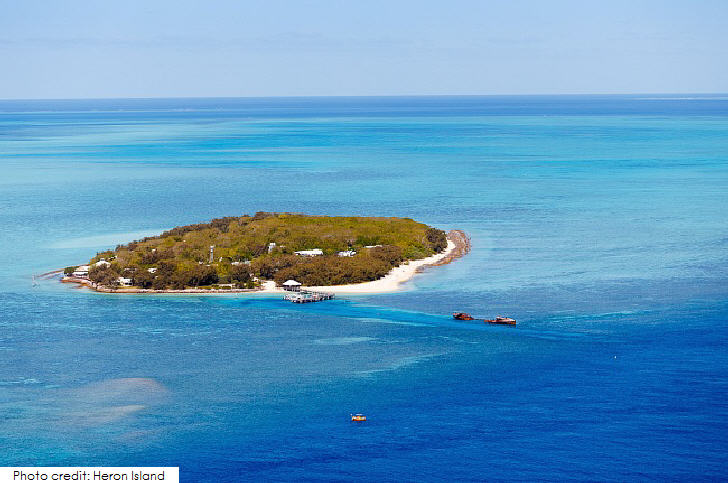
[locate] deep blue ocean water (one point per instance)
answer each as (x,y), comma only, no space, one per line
(599,222)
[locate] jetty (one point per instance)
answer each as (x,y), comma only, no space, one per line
(305,296)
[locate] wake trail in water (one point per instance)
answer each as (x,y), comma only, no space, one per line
(365,312)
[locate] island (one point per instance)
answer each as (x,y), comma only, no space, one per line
(273,252)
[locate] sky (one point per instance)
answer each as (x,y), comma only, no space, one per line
(241,48)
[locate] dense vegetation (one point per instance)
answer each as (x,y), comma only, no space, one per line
(244,251)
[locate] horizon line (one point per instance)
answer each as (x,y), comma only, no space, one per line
(370,96)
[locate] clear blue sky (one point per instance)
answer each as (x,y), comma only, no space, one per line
(170,48)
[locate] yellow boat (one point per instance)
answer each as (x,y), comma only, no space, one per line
(358,417)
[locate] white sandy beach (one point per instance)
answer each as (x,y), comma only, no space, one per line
(392,282)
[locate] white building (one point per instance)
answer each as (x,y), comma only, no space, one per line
(348,253)
(102,263)
(152,269)
(81,271)
(292,286)
(124,281)
(310,253)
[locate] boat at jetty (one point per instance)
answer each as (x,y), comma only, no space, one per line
(497,320)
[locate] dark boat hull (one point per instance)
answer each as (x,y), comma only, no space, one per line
(501,322)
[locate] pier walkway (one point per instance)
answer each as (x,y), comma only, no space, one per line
(305,296)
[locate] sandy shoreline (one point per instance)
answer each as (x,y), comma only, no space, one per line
(457,246)
(393,281)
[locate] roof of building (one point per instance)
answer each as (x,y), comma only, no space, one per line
(315,251)
(290,283)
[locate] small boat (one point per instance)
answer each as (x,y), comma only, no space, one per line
(497,320)
(501,320)
(358,418)
(462,316)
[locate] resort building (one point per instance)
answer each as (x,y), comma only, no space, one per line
(310,253)
(124,281)
(81,271)
(292,286)
(347,253)
(102,263)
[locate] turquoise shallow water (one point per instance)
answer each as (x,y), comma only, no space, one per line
(598,222)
